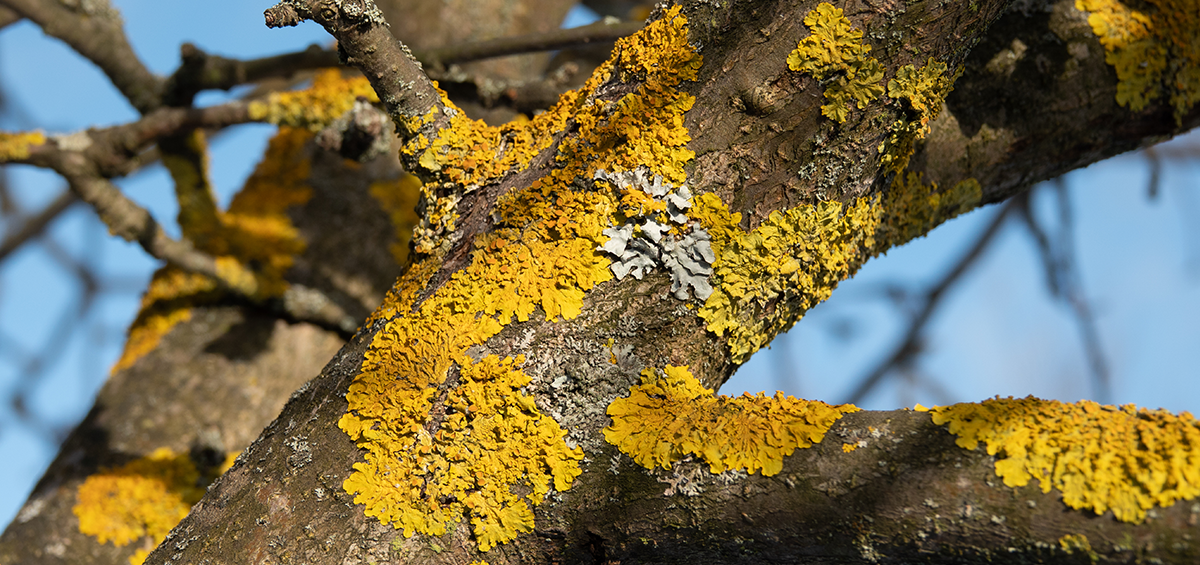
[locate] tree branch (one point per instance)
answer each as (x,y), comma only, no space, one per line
(94,30)
(204,71)
(34,226)
(133,223)
(1064,283)
(365,42)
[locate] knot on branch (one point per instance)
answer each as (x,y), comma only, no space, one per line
(333,14)
(286,13)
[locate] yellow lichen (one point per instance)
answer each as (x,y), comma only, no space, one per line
(15,146)
(912,208)
(254,231)
(423,475)
(144,498)
(642,128)
(848,447)
(399,199)
(1154,51)
(670,416)
(424,472)
(1078,543)
(766,279)
(1101,458)
(835,54)
(314,108)
(923,90)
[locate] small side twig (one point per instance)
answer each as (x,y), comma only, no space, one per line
(557,39)
(1064,283)
(125,219)
(365,43)
(910,345)
(205,71)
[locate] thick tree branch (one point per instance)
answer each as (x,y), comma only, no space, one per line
(8,17)
(94,30)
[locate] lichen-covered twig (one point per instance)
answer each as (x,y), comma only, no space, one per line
(93,29)
(116,151)
(933,298)
(365,43)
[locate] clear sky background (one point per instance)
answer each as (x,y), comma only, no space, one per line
(998,332)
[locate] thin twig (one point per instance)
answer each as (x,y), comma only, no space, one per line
(204,71)
(116,151)
(557,39)
(125,219)
(1064,282)
(35,225)
(910,345)
(94,30)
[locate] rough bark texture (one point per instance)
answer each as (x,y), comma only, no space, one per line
(1035,99)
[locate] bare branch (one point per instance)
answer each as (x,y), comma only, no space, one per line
(8,17)
(1064,283)
(205,71)
(131,222)
(117,151)
(35,225)
(911,344)
(557,39)
(94,30)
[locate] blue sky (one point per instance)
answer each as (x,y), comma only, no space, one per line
(998,332)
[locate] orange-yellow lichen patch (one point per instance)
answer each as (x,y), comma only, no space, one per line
(765,280)
(399,199)
(15,146)
(1101,458)
(144,498)
(1155,50)
(424,473)
(835,54)
(923,91)
(330,96)
(1078,544)
(512,272)
(670,416)
(255,230)
(491,439)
